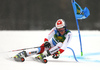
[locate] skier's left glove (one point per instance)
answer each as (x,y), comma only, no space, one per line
(56,55)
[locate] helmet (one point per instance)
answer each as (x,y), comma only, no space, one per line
(60,23)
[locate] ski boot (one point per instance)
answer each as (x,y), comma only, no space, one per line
(20,56)
(41,58)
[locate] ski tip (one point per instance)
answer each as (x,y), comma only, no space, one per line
(19,59)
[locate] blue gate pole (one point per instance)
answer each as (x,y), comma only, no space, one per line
(79,37)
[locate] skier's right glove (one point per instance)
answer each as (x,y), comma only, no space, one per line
(47,44)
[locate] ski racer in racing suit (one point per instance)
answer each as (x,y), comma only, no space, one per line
(54,44)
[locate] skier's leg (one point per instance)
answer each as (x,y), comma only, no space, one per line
(30,52)
(33,51)
(21,56)
(52,50)
(41,56)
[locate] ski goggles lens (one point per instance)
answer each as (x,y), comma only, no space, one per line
(61,29)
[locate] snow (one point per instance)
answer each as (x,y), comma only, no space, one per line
(12,40)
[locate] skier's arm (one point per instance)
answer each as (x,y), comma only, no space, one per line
(65,43)
(49,36)
(64,46)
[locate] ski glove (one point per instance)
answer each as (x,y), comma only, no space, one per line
(47,44)
(56,55)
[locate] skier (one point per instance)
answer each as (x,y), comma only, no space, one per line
(54,44)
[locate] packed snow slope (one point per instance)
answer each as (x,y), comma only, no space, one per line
(13,40)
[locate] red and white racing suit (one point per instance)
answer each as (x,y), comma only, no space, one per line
(58,42)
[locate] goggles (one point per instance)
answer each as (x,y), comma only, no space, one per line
(61,29)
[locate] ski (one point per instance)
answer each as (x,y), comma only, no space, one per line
(17,59)
(40,60)
(22,59)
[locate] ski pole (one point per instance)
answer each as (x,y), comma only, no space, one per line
(18,50)
(22,49)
